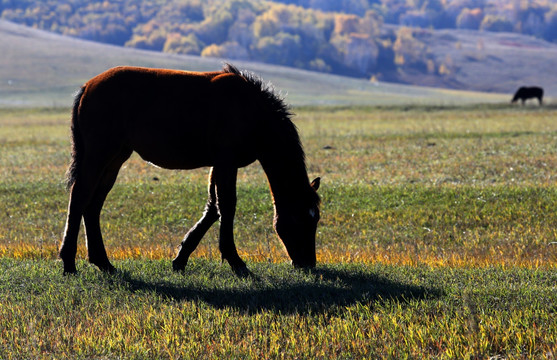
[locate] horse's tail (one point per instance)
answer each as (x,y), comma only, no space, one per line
(77,145)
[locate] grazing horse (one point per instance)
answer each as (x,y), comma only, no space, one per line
(524,93)
(184,120)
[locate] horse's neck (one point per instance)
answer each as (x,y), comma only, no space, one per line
(283,161)
(288,179)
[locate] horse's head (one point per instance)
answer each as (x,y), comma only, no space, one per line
(518,94)
(296,227)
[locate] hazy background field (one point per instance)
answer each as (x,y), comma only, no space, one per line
(486,45)
(44,69)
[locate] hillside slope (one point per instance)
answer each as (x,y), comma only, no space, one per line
(345,38)
(38,68)
(486,61)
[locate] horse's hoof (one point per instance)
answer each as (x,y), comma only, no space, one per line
(238,266)
(178,266)
(110,270)
(106,268)
(69,269)
(242,271)
(69,272)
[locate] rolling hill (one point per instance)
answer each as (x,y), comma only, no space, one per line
(39,68)
(486,61)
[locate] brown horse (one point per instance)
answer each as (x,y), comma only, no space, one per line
(184,120)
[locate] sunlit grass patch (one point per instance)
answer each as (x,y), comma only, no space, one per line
(335,311)
(404,225)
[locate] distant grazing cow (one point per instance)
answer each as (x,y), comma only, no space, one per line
(524,93)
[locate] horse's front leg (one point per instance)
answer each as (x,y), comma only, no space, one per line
(196,233)
(225,185)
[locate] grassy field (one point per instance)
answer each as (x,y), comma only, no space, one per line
(438,239)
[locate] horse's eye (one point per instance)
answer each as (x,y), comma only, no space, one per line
(312,213)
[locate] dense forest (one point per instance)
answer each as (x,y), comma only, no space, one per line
(343,37)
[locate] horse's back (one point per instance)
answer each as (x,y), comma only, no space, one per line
(538,91)
(135,85)
(172,118)
(136,72)
(135,97)
(530,91)
(143,88)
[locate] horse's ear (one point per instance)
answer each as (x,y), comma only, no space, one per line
(315,183)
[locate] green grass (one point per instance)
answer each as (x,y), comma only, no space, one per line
(336,311)
(437,239)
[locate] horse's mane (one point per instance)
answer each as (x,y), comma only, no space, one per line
(277,106)
(274,101)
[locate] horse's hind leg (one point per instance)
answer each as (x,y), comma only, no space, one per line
(95,246)
(196,233)
(68,248)
(80,195)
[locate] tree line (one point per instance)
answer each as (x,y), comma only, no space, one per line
(343,37)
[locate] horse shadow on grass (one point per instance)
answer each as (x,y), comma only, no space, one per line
(316,291)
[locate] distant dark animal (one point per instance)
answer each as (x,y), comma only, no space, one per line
(524,93)
(184,120)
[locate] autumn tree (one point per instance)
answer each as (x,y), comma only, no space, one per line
(550,32)
(178,44)
(230,50)
(529,17)
(496,23)
(151,36)
(300,32)
(355,39)
(409,51)
(470,19)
